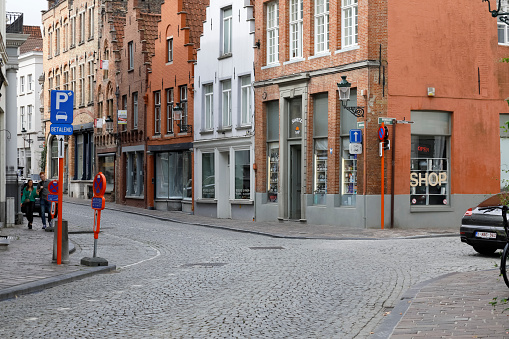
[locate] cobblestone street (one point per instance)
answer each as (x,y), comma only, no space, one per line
(181,281)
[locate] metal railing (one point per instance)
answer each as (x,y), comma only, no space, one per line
(14,22)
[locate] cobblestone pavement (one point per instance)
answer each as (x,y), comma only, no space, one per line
(176,280)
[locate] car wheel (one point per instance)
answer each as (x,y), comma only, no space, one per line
(485,250)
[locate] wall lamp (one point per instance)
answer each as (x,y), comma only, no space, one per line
(497,12)
(109,127)
(177,116)
(344,96)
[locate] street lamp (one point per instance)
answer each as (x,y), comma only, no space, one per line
(177,116)
(344,96)
(496,12)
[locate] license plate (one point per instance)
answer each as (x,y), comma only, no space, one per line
(487,235)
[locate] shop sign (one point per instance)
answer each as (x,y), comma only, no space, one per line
(427,179)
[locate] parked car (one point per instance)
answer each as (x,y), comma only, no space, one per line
(483,229)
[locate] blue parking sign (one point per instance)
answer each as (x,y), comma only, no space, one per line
(355,136)
(62,107)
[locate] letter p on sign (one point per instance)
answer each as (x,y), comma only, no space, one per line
(61,98)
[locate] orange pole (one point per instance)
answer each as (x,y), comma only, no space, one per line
(382,185)
(60,198)
(97,229)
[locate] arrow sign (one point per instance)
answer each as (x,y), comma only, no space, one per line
(355,136)
(60,146)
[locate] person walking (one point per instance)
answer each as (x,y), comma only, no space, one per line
(43,191)
(28,198)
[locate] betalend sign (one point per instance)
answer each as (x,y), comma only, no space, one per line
(427,179)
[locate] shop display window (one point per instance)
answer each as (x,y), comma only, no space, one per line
(320,172)
(242,175)
(273,172)
(348,177)
(208,186)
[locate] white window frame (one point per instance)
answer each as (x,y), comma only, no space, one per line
(82,84)
(349,23)
(22,117)
(157,112)
(226,96)
(183,104)
(296,24)
(57,39)
(245,93)
(66,36)
(130,52)
(29,83)
(272,32)
(135,110)
(73,83)
(208,91)
(21,85)
(57,82)
(30,109)
(169,110)
(82,27)
(91,22)
(91,81)
(50,39)
(169,49)
(227,31)
(72,31)
(321,26)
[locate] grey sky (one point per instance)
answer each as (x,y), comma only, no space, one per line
(31,10)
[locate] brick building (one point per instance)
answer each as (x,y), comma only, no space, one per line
(127,46)
(305,170)
(171,83)
(70,36)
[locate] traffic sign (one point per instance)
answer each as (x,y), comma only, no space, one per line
(381,133)
(98,203)
(355,148)
(99,185)
(62,107)
(387,121)
(360,124)
(53,187)
(61,147)
(355,136)
(61,129)
(53,197)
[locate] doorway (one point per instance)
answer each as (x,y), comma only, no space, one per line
(295,182)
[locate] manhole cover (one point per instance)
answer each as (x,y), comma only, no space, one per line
(267,248)
(205,264)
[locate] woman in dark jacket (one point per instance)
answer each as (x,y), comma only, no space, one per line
(28,198)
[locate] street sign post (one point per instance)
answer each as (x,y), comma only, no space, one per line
(384,120)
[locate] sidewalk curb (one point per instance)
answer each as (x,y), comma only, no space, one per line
(40,285)
(386,327)
(272,235)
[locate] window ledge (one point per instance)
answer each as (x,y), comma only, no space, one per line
(81,43)
(319,55)
(90,38)
(130,70)
(206,201)
(271,66)
(224,56)
(347,49)
(207,131)
(244,127)
(135,197)
(438,208)
(156,136)
(241,201)
(169,63)
(294,60)
(224,129)
(170,134)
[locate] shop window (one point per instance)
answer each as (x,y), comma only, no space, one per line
(134,171)
(208,186)
(429,159)
(187,175)
(272,150)
(320,133)
(172,173)
(348,161)
(242,175)
(107,167)
(79,156)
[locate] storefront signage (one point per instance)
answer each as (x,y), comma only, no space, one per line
(297,128)
(122,117)
(427,179)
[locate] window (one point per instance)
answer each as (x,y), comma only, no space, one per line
(227,103)
(320,134)
(245,100)
(57,35)
(173,170)
(30,110)
(321,26)
(242,175)
(429,159)
(272,32)
(66,80)
(66,37)
(72,32)
(91,22)
(169,110)
(183,104)
(82,27)
(50,42)
(73,83)
(157,112)
(29,83)
(79,156)
(134,172)
(169,49)
(50,86)
(22,116)
(135,110)
(124,107)
(107,167)
(21,85)
(131,55)
(209,106)
(82,84)
(227,30)
(349,16)
(57,82)
(296,19)
(272,108)
(91,81)
(83,156)
(105,69)
(208,185)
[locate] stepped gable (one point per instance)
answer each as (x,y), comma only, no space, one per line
(149,25)
(194,20)
(34,42)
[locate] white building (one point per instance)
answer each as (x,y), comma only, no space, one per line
(224,113)
(30,135)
